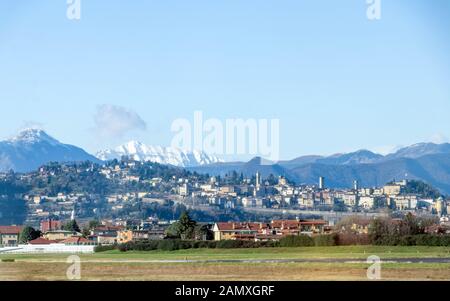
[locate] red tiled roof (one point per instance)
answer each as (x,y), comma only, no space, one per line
(313,222)
(10,229)
(241,226)
(76,240)
(42,241)
(286,227)
(287,224)
(109,228)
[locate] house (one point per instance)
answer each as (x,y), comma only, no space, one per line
(298,227)
(59,235)
(42,241)
(136,235)
(361,226)
(77,241)
(405,202)
(124,236)
(9,235)
(230,230)
(276,230)
(156,234)
(105,235)
(393,189)
(50,225)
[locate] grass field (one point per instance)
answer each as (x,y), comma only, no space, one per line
(196,264)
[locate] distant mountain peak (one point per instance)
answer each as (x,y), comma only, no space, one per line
(260,161)
(33,135)
(159,154)
(364,151)
(421,149)
(32,148)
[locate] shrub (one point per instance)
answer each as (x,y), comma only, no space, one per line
(407,240)
(169,245)
(296,241)
(414,240)
(99,249)
(229,244)
(352,239)
(8,260)
(326,240)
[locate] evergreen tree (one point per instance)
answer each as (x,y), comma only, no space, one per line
(28,234)
(184,227)
(72,226)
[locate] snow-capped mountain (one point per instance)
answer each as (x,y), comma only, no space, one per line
(421,149)
(163,155)
(32,148)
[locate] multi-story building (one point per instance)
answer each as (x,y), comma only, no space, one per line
(50,225)
(275,230)
(405,202)
(9,235)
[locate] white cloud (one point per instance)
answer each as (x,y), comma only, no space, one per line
(439,138)
(114,121)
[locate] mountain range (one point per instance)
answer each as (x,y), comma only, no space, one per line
(424,161)
(163,155)
(429,162)
(32,148)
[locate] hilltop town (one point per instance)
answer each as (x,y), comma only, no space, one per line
(147,198)
(127,190)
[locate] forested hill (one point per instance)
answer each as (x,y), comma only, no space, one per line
(12,208)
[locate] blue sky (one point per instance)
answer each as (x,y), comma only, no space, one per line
(337,81)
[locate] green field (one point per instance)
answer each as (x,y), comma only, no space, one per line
(198,264)
(347,252)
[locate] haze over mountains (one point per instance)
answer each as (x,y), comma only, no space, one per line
(429,162)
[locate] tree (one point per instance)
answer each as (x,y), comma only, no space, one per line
(204,232)
(86,232)
(339,207)
(378,230)
(71,226)
(94,224)
(184,227)
(28,234)
(411,226)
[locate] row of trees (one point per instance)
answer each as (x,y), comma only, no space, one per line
(389,231)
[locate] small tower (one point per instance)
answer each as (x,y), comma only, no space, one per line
(356,185)
(258,180)
(321,183)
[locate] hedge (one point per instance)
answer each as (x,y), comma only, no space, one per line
(104,248)
(175,244)
(296,241)
(326,240)
(414,240)
(287,242)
